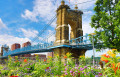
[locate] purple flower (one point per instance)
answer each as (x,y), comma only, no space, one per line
(76,68)
(81,69)
(28,68)
(64,64)
(76,71)
(96,76)
(82,72)
(65,69)
(65,73)
(71,71)
(85,67)
(76,65)
(91,69)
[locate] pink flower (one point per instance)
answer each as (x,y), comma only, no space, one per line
(71,71)
(65,69)
(65,73)
(64,64)
(100,74)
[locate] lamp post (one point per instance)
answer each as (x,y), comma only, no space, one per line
(93,48)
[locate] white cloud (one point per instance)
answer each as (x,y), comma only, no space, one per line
(51,36)
(45,9)
(29,15)
(2,25)
(29,32)
(9,40)
(87,28)
(42,8)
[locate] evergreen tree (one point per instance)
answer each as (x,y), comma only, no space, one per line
(106,22)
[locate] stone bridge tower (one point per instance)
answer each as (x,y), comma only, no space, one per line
(65,17)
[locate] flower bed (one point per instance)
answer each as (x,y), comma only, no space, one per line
(56,68)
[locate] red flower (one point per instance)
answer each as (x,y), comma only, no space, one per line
(13,76)
(78,73)
(44,60)
(25,60)
(100,74)
(47,68)
(65,56)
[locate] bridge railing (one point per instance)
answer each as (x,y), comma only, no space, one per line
(80,40)
(28,48)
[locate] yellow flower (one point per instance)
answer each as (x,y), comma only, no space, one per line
(68,53)
(111,53)
(82,56)
(36,54)
(16,56)
(55,55)
(50,56)
(114,49)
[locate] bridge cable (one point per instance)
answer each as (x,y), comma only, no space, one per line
(43,30)
(49,35)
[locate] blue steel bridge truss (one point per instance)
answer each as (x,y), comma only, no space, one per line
(82,42)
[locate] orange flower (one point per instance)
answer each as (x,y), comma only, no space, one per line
(50,56)
(115,68)
(16,61)
(65,56)
(114,49)
(118,64)
(44,60)
(103,59)
(25,60)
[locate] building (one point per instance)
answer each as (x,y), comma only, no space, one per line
(50,54)
(15,46)
(25,45)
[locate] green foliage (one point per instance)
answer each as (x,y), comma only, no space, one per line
(106,21)
(51,67)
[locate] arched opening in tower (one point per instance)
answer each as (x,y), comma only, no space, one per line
(69,30)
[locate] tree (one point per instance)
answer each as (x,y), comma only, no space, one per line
(106,22)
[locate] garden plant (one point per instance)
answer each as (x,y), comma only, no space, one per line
(55,67)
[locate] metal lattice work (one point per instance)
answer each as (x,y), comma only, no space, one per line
(81,42)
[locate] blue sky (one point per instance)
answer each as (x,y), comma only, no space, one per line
(22,20)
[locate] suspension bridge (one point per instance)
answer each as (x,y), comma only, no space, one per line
(77,44)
